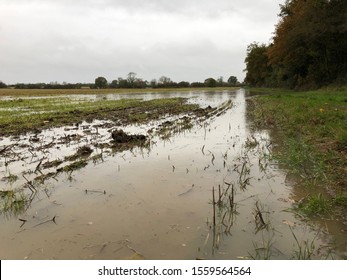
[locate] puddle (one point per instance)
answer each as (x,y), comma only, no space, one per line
(155,201)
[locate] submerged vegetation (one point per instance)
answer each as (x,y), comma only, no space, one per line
(311,130)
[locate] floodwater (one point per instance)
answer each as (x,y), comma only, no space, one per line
(156,202)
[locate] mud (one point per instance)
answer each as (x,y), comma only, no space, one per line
(120,137)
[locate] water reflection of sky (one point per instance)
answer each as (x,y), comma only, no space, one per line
(203,98)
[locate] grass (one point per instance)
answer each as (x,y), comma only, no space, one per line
(310,129)
(314,205)
(263,250)
(12,202)
(10,178)
(305,249)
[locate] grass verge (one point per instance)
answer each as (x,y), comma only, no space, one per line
(310,130)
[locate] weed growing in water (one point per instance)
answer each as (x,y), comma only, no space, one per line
(224,212)
(305,249)
(263,251)
(12,202)
(244,169)
(10,178)
(260,222)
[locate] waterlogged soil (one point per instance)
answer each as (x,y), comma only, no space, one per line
(184,186)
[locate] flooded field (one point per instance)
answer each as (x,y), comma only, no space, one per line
(181,187)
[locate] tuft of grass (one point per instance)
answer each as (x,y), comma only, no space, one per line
(314,205)
(264,249)
(305,248)
(12,202)
(342,141)
(340,200)
(11,178)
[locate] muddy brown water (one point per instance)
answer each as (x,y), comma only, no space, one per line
(155,202)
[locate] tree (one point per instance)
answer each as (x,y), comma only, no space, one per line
(309,45)
(197,84)
(220,81)
(257,66)
(122,83)
(164,81)
(139,83)
(100,82)
(210,82)
(308,48)
(153,83)
(2,85)
(114,84)
(131,79)
(183,84)
(232,81)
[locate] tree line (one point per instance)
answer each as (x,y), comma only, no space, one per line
(308,50)
(131,81)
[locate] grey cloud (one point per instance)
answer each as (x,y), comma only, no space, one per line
(190,8)
(66,40)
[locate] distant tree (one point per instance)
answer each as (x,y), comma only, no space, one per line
(122,83)
(183,84)
(232,81)
(139,83)
(2,85)
(197,84)
(164,81)
(131,79)
(210,82)
(100,82)
(153,83)
(19,86)
(34,86)
(114,84)
(220,81)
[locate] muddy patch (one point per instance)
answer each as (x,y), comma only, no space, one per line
(120,137)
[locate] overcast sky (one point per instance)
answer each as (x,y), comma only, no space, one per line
(79,40)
